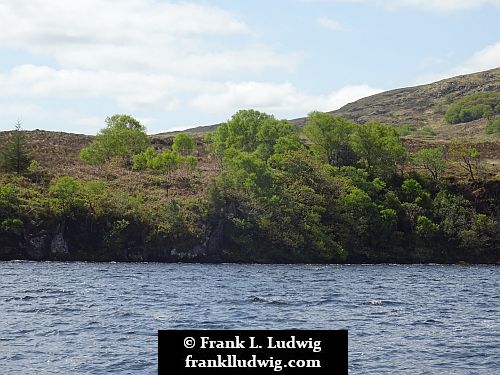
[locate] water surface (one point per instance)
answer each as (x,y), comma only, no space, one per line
(83,318)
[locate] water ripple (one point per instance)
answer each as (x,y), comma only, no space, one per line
(85,318)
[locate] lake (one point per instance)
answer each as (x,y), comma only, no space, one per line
(99,318)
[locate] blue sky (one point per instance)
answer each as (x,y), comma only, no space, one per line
(66,65)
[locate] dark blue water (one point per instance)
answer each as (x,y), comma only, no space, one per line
(79,318)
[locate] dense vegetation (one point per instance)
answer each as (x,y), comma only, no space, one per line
(493,126)
(335,192)
(473,107)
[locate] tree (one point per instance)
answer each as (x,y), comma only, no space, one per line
(379,149)
(184,144)
(15,155)
(468,157)
(431,159)
(122,137)
(331,138)
(249,131)
(67,195)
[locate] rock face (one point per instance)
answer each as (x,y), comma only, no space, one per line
(215,240)
(58,245)
(38,246)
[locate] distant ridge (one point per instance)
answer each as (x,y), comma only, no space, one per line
(418,105)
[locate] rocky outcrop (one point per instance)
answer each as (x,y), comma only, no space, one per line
(58,245)
(38,245)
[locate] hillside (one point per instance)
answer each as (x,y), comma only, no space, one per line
(421,105)
(279,199)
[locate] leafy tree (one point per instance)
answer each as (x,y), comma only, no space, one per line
(272,132)
(10,209)
(122,137)
(379,149)
(468,157)
(184,145)
(331,138)
(94,194)
(248,173)
(66,191)
(431,159)
(249,131)
(412,192)
(15,156)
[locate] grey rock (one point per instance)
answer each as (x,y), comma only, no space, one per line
(38,246)
(59,245)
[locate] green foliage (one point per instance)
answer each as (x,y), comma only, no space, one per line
(493,126)
(468,157)
(247,172)
(432,160)
(95,197)
(249,131)
(473,107)
(412,192)
(66,192)
(331,138)
(122,137)
(412,130)
(163,162)
(9,208)
(278,198)
(14,156)
(184,145)
(379,149)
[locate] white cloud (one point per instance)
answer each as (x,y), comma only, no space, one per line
(135,35)
(140,54)
(329,24)
(428,5)
(484,59)
(487,58)
(283,99)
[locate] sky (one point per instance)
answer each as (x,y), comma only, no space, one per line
(67,65)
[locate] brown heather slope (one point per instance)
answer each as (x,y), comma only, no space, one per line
(58,155)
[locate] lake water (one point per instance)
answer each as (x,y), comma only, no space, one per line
(83,318)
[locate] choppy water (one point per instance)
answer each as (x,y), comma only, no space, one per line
(80,318)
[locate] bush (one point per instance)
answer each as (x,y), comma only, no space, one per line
(473,107)
(493,127)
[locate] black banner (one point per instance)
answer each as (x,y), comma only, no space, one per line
(252,352)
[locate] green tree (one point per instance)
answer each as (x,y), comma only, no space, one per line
(122,137)
(9,205)
(66,192)
(249,131)
(184,145)
(432,160)
(15,156)
(468,157)
(379,149)
(331,138)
